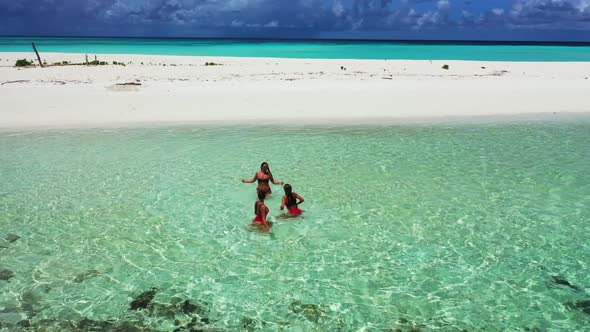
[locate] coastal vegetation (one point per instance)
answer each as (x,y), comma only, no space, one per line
(29,63)
(23,63)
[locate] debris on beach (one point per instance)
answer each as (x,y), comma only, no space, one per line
(125,86)
(499,72)
(17,81)
(129,83)
(445,67)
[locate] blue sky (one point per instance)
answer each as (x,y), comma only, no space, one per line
(541,20)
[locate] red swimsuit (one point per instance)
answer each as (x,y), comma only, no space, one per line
(258,211)
(292,205)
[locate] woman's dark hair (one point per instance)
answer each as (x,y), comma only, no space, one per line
(288,191)
(261,197)
(267,167)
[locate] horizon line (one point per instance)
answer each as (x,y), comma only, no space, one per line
(359,40)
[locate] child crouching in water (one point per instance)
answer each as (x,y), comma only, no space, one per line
(290,201)
(261,212)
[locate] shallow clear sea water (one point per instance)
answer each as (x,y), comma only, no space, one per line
(431,227)
(312,49)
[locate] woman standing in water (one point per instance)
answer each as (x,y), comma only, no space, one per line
(264,175)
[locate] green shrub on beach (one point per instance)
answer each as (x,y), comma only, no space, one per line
(212,64)
(97,63)
(62,63)
(446,67)
(23,63)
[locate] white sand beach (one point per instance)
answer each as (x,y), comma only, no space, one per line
(182,89)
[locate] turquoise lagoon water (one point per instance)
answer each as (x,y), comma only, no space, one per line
(445,227)
(298,49)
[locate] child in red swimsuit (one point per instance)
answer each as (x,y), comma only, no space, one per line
(290,201)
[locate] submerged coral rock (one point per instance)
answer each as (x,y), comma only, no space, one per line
(248,324)
(110,325)
(12,237)
(90,324)
(187,307)
(583,305)
(161,310)
(310,311)
(562,281)
(6,274)
(86,275)
(143,300)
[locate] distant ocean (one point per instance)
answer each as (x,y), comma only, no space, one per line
(488,51)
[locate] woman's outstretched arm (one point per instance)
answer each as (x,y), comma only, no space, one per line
(252,180)
(272,179)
